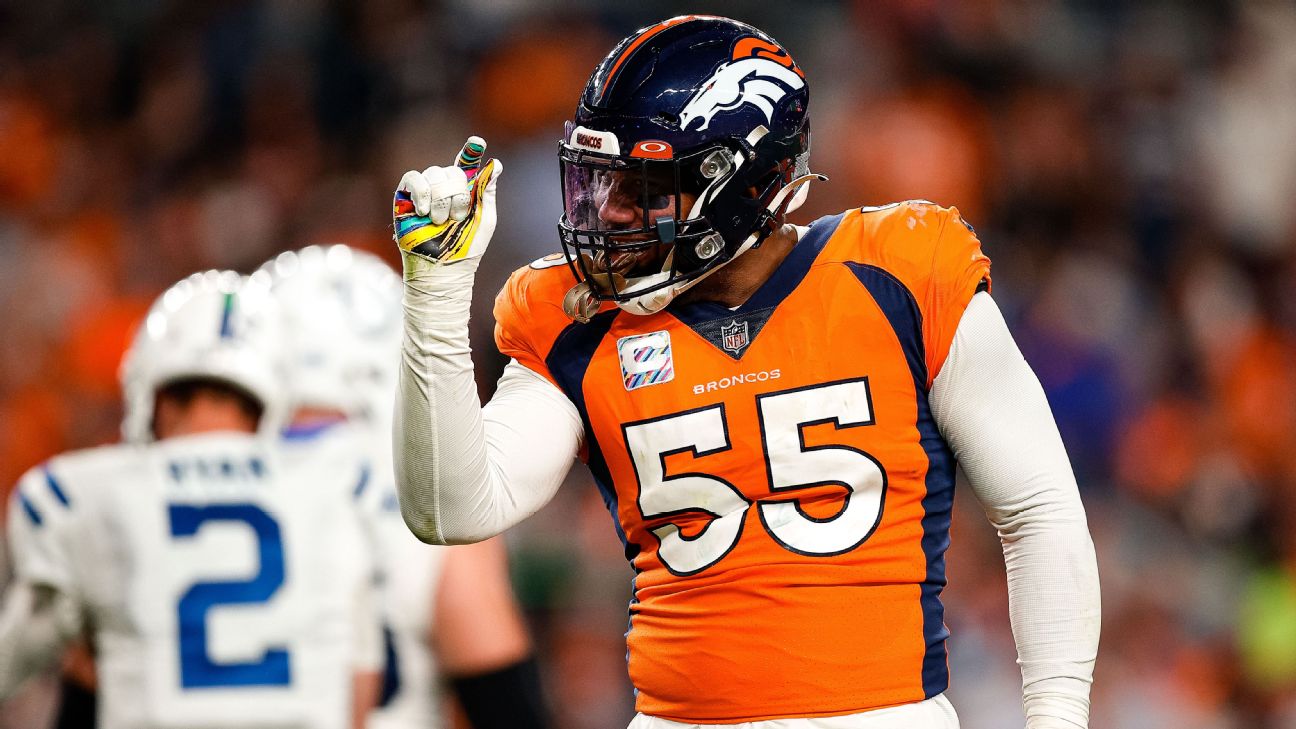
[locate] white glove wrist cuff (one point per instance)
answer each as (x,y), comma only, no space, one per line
(422,268)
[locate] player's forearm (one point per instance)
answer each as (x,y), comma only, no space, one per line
(1053,604)
(477,625)
(366,693)
(440,453)
(466,474)
(994,414)
(35,623)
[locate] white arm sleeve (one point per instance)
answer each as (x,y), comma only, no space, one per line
(465,473)
(36,621)
(992,411)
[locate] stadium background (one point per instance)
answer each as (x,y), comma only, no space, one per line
(1130,167)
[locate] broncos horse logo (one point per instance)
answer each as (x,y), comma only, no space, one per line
(760,74)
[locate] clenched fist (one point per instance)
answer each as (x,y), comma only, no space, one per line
(447,214)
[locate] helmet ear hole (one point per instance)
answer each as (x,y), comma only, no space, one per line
(666,119)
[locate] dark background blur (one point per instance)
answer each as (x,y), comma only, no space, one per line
(1130,167)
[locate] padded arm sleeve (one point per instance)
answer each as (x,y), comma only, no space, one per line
(465,473)
(992,410)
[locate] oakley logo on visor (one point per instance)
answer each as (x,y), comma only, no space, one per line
(652,149)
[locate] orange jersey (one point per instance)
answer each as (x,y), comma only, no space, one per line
(774,470)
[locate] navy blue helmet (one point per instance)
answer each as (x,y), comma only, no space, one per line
(688,141)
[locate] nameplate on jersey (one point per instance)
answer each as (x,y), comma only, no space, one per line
(645,359)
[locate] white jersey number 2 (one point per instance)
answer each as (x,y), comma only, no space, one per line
(791,466)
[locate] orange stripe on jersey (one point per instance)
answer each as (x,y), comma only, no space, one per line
(784,495)
(644,35)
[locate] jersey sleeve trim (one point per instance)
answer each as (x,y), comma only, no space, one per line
(568,360)
(54,487)
(29,509)
(39,525)
(361,483)
(902,312)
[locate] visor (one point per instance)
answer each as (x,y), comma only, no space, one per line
(625,219)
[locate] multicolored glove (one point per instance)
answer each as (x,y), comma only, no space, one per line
(447,214)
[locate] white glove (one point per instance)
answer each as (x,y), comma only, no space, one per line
(447,214)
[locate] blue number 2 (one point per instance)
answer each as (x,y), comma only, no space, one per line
(197,669)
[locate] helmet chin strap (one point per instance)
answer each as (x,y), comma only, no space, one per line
(654,301)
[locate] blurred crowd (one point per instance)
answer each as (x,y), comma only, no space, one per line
(1130,167)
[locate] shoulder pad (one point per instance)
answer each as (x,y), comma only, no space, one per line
(929,250)
(59,487)
(529,313)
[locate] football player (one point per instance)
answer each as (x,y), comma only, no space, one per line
(773,413)
(221,586)
(450,612)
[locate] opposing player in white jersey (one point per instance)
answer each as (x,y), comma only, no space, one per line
(220,586)
(450,612)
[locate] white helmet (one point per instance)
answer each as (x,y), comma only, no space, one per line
(215,325)
(341,310)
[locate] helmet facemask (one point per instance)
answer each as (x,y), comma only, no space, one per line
(634,226)
(625,218)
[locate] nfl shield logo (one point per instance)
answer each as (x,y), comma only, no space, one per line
(733,336)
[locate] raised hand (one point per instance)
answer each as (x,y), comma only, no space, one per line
(447,214)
